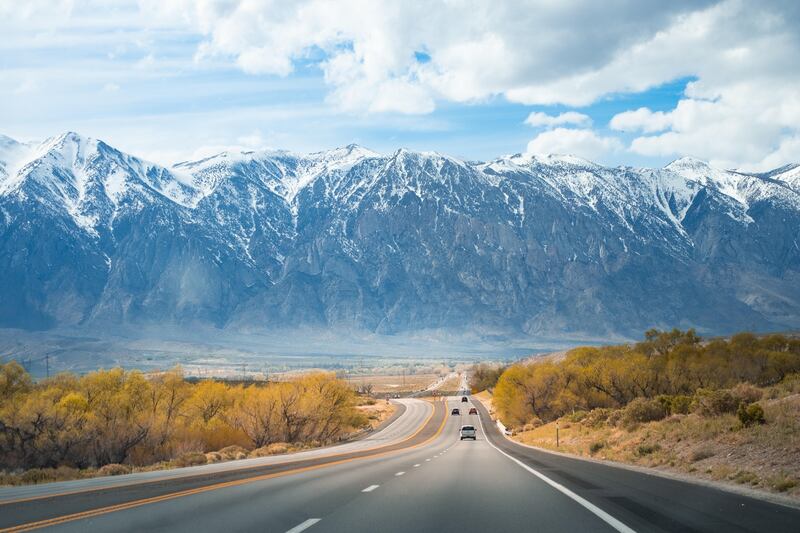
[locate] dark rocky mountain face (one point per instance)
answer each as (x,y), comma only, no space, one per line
(355,241)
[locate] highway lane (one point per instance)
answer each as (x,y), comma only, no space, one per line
(445,485)
(452,486)
(648,502)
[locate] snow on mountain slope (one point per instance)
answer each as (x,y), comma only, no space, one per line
(789,174)
(282,172)
(743,188)
(727,182)
(404,241)
(88,178)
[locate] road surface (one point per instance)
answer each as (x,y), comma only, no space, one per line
(414,476)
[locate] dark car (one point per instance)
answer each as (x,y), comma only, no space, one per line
(455,411)
(473,411)
(463,399)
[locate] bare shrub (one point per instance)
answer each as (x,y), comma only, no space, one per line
(114,469)
(750,414)
(715,403)
(596,447)
(680,405)
(745,392)
(232,452)
(213,457)
(698,454)
(576,416)
(276,448)
(596,416)
(191,459)
(782,482)
(745,477)
(643,410)
(532,424)
(615,417)
(647,449)
(37,475)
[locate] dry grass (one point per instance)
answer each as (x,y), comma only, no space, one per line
(378,412)
(485,398)
(765,457)
(393,383)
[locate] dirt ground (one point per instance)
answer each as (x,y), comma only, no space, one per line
(378,412)
(394,383)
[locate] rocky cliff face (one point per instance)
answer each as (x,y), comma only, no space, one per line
(353,240)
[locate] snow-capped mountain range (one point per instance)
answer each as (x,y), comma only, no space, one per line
(350,239)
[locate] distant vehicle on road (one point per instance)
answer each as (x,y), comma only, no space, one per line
(455,411)
(468,432)
(463,399)
(473,411)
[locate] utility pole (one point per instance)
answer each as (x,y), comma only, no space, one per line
(47,364)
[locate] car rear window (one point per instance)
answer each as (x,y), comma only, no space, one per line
(468,428)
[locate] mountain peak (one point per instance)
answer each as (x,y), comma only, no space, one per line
(527,159)
(687,162)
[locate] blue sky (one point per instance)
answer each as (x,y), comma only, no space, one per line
(179,79)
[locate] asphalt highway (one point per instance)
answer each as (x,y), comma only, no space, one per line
(418,478)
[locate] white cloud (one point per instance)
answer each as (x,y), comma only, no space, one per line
(477,49)
(748,125)
(741,109)
(538,119)
(581,142)
(567,53)
(643,119)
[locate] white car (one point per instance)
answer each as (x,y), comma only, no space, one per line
(468,432)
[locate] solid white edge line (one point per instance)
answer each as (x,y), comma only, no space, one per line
(370,488)
(604,516)
(304,525)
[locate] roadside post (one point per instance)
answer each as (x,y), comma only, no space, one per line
(557,434)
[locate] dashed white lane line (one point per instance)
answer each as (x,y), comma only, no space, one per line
(426,460)
(416,465)
(399,474)
(304,525)
(370,488)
